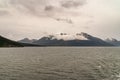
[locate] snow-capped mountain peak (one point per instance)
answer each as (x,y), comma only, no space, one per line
(78,39)
(66,37)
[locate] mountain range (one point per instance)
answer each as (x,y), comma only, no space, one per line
(64,39)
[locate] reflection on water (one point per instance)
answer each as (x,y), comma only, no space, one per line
(60,63)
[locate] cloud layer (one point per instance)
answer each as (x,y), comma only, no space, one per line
(33,18)
(72,3)
(46,7)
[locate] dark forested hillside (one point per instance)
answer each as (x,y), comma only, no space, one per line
(4,42)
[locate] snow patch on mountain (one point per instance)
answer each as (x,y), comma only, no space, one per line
(66,37)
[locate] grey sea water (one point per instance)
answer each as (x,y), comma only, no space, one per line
(60,63)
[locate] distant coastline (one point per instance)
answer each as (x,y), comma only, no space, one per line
(78,40)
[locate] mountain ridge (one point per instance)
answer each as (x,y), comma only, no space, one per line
(62,39)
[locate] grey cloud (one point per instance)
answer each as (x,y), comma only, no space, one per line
(56,9)
(40,8)
(51,8)
(69,21)
(72,3)
(47,8)
(4,13)
(29,6)
(32,3)
(43,7)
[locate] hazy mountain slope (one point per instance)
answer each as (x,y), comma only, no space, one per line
(27,40)
(113,41)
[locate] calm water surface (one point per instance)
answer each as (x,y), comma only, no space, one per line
(60,63)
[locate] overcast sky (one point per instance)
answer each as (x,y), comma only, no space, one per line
(35,18)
